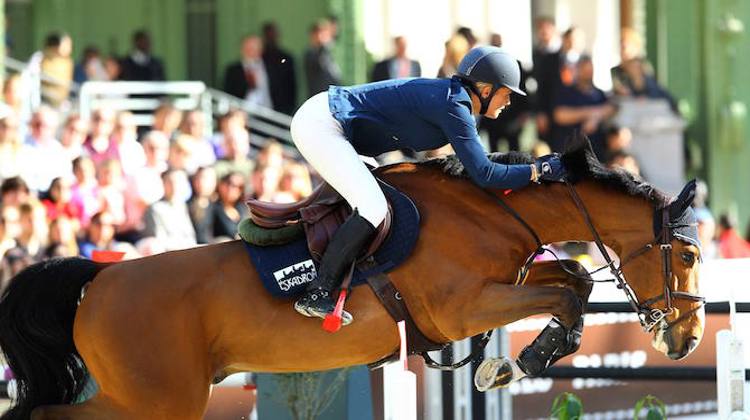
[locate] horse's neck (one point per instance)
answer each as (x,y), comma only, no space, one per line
(618,218)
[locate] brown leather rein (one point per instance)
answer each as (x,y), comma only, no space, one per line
(648,316)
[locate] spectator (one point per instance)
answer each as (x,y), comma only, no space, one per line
(91,66)
(707,233)
(73,136)
(193,126)
(248,78)
(546,73)
(33,234)
(266,177)
(295,184)
(203,183)
(140,64)
(42,151)
(13,262)
(280,68)
(113,68)
(509,124)
(100,235)
(455,49)
(12,92)
(180,152)
(731,244)
(168,220)
(59,200)
(398,66)
(229,207)
(617,140)
(57,64)
(573,43)
(9,228)
(144,186)
(634,76)
(583,107)
(62,238)
(85,189)
(125,138)
(625,161)
(236,150)
(111,190)
(468,34)
(167,119)
(14,192)
(232,120)
(321,71)
(10,144)
(99,145)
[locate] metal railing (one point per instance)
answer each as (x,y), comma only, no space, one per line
(264,123)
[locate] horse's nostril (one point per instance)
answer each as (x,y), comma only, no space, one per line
(691,344)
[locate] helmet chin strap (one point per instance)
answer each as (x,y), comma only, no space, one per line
(484,102)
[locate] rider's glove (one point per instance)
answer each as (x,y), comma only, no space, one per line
(549,168)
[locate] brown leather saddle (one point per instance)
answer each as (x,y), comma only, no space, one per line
(320,214)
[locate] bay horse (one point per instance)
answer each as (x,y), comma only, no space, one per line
(154,332)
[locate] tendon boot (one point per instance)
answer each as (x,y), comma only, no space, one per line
(346,245)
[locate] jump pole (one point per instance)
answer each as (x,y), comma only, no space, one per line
(730,370)
(399,385)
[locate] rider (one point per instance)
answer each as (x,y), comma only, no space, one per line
(332,129)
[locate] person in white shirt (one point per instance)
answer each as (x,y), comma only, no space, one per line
(168,219)
(42,153)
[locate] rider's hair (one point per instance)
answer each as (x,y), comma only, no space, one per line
(482,85)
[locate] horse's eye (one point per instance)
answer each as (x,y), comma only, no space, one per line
(688,258)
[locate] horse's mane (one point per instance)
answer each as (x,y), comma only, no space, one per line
(580,164)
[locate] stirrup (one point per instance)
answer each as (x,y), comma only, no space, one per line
(317,304)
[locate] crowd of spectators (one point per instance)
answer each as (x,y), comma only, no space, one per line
(69,186)
(69,189)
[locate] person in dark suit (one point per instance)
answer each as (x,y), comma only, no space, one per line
(140,64)
(248,78)
(398,66)
(280,68)
(321,70)
(509,124)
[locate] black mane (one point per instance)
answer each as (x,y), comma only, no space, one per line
(580,163)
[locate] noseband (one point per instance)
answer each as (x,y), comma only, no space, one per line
(649,316)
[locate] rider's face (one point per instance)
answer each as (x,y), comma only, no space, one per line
(498,102)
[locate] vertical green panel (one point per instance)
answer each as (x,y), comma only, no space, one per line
(728,93)
(109,25)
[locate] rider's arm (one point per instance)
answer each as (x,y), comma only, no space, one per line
(460,128)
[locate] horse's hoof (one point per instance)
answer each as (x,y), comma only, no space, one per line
(496,373)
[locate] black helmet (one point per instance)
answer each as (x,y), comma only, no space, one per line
(490,65)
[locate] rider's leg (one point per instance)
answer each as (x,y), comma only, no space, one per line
(320,140)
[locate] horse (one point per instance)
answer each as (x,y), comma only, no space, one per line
(154,332)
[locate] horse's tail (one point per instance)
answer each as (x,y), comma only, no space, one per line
(36,333)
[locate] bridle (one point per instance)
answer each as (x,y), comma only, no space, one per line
(648,315)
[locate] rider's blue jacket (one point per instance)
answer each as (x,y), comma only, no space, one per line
(419,114)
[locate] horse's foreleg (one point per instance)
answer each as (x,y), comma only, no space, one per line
(559,339)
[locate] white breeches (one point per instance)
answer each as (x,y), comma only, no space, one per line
(320,139)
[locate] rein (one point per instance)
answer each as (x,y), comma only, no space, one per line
(648,316)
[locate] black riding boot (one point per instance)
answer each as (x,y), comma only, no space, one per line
(346,245)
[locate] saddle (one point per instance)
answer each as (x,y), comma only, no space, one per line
(320,215)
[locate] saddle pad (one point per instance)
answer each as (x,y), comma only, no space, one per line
(286,269)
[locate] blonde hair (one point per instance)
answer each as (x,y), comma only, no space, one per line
(455,50)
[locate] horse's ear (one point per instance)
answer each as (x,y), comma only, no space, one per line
(683,200)
(578,142)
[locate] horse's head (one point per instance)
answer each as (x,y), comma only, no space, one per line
(660,262)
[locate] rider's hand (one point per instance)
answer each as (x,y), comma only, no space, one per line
(549,168)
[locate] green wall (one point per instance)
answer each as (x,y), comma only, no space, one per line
(109,24)
(704,64)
